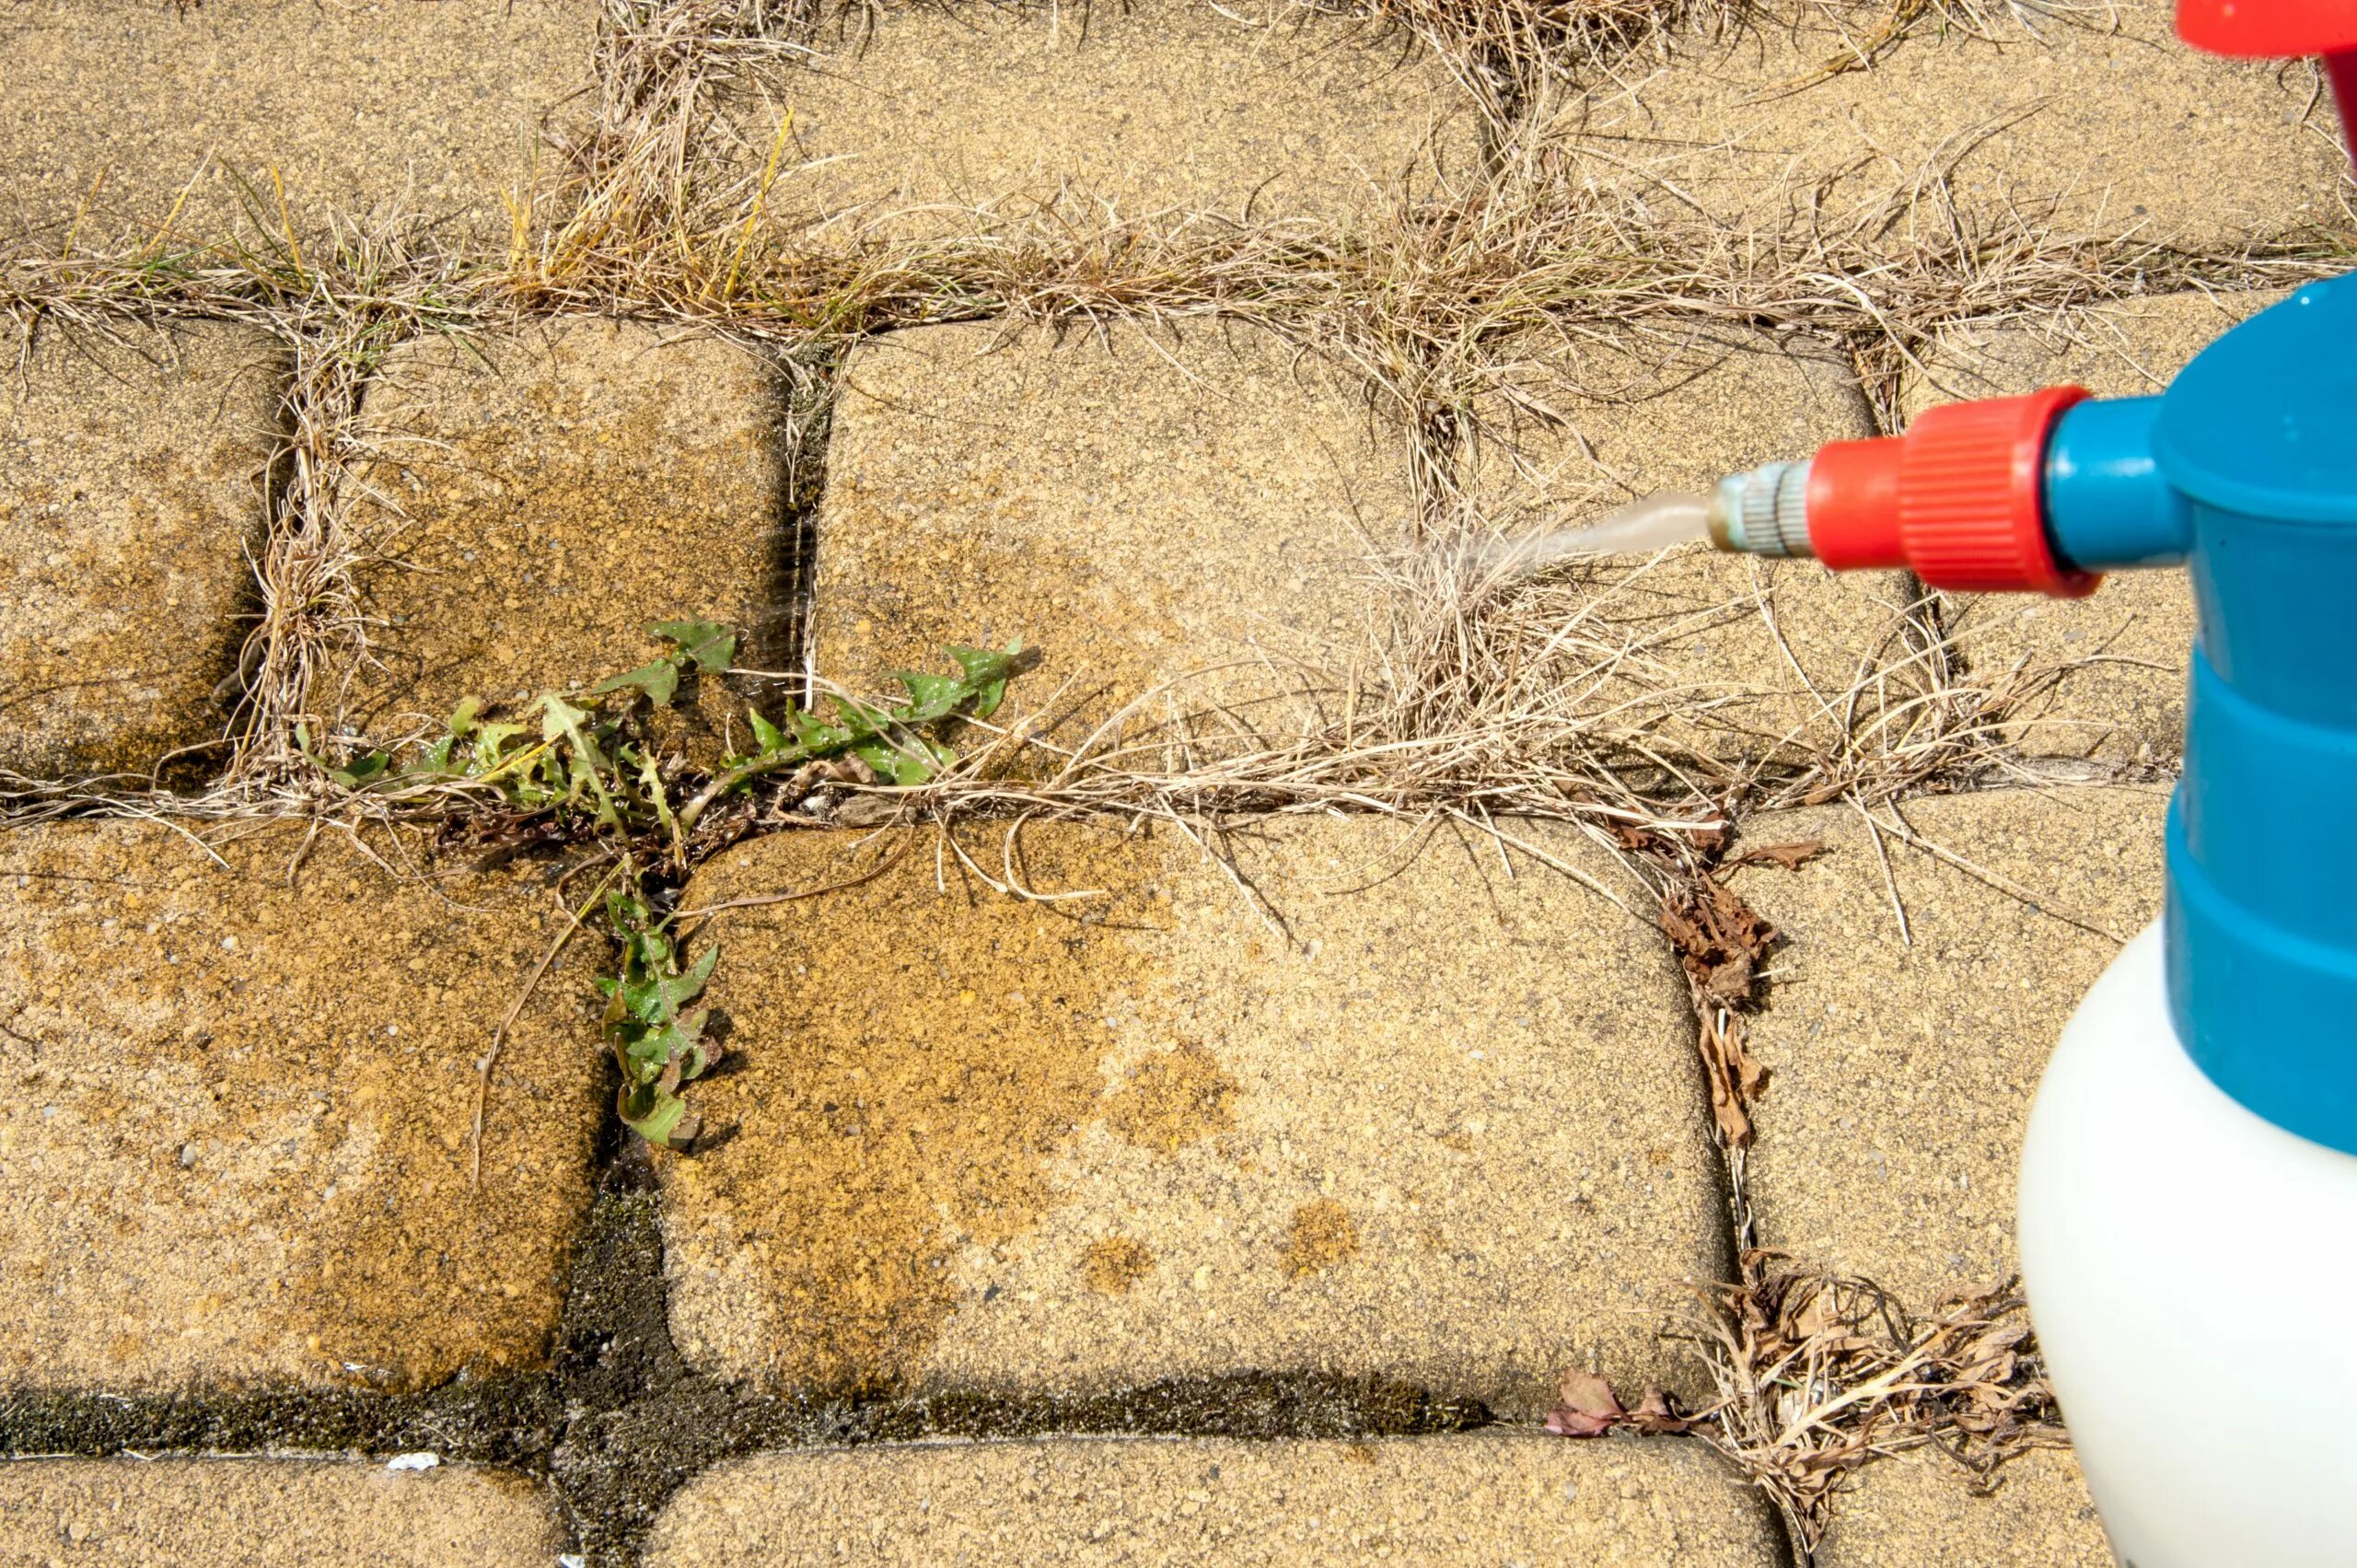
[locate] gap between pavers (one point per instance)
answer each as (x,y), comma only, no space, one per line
(1444,1128)
(1890,1139)
(109,112)
(541,495)
(919,121)
(236,1127)
(283,1513)
(1720,658)
(2098,123)
(131,495)
(1140,504)
(2130,708)
(1483,1497)
(1919,1507)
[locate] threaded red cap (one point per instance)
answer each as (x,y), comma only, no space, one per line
(1959,499)
(1971,501)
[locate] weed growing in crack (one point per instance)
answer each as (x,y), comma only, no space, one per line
(588,768)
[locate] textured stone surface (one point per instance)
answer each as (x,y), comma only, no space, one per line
(237,1129)
(2098,122)
(130,494)
(1486,1497)
(2131,706)
(121,108)
(1139,508)
(1916,1508)
(544,493)
(266,1514)
(1718,656)
(1452,1134)
(1890,1136)
(917,119)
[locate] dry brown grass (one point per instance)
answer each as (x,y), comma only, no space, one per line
(1819,1374)
(1476,697)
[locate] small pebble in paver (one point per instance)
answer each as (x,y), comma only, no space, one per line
(1482,1498)
(543,493)
(2129,706)
(130,112)
(1917,1509)
(1891,1133)
(268,1514)
(237,1131)
(1716,655)
(2095,122)
(922,120)
(1453,1134)
(1141,508)
(131,476)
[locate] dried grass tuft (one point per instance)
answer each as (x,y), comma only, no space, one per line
(1818,1374)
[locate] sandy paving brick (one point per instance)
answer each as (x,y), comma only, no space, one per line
(1890,1134)
(1142,508)
(924,120)
(236,1137)
(1917,1508)
(543,493)
(1484,1497)
(267,1514)
(1444,1127)
(1695,654)
(2095,122)
(117,118)
(130,474)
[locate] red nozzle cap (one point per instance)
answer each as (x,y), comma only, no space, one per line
(1959,498)
(2273,28)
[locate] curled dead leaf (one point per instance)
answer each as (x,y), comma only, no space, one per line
(1656,1415)
(1720,940)
(1792,856)
(1585,1406)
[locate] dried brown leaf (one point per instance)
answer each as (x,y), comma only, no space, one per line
(1585,1406)
(1792,856)
(1734,1077)
(1656,1416)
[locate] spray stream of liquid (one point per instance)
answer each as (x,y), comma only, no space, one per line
(1656,522)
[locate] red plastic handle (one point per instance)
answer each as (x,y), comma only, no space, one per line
(2268,29)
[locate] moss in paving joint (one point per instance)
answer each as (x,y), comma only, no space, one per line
(638,1422)
(507,1420)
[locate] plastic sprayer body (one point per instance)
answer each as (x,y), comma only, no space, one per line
(2188,1195)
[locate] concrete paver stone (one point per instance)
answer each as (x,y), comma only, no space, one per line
(923,121)
(1484,1497)
(237,1132)
(2095,122)
(130,494)
(2131,706)
(130,112)
(1454,1135)
(267,1514)
(1141,508)
(1717,656)
(1915,1508)
(1890,1134)
(544,493)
